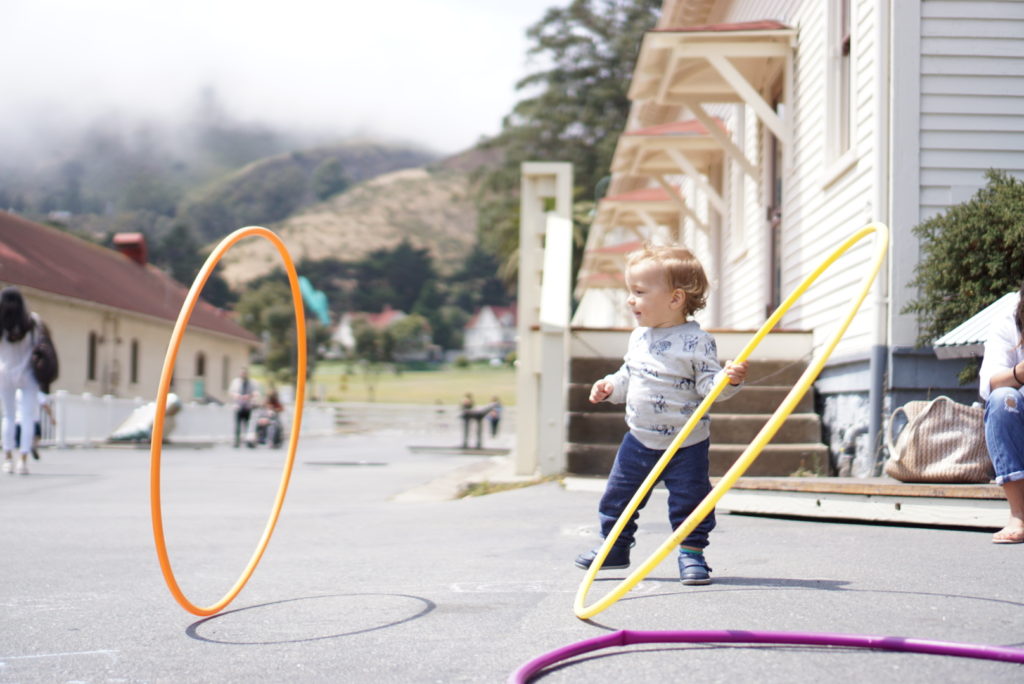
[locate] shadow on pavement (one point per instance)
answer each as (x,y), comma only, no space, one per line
(260,622)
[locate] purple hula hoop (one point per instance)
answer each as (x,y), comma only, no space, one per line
(626,637)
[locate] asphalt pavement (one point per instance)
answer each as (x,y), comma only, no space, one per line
(375,575)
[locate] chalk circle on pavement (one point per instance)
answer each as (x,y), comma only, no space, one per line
(167,373)
(726,482)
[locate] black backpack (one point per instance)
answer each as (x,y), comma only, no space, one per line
(45,366)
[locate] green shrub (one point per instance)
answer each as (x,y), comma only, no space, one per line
(970,256)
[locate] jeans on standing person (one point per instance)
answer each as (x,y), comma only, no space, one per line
(242,415)
(685,476)
(28,410)
(1004,433)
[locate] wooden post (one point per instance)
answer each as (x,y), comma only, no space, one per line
(545,274)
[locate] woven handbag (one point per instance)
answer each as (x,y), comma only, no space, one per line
(943,441)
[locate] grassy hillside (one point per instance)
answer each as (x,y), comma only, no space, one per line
(432,207)
(274,188)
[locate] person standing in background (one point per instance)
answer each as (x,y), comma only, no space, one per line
(243,393)
(16,342)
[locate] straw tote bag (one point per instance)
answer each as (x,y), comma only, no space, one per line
(943,441)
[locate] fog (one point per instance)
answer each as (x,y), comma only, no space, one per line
(436,73)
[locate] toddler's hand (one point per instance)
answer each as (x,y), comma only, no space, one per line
(737,372)
(601,390)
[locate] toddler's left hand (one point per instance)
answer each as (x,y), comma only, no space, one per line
(737,372)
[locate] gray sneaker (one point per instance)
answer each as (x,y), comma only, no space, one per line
(693,569)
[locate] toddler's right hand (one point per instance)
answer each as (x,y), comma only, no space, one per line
(601,390)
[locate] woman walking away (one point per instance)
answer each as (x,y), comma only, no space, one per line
(16,326)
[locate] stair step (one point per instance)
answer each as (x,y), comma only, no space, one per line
(751,399)
(775,460)
(608,428)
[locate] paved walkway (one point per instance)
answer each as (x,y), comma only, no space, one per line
(373,576)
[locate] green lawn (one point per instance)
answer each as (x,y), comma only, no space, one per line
(350,382)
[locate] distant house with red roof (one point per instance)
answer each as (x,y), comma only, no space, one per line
(111,314)
(344,336)
(490,333)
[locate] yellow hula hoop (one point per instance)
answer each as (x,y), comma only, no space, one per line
(752,451)
(161,407)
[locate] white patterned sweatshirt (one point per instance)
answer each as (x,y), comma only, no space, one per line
(665,376)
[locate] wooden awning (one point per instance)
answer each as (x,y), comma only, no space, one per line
(698,65)
(676,148)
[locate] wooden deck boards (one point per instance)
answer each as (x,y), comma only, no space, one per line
(875,486)
(870,500)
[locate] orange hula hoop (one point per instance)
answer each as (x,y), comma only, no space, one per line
(157,436)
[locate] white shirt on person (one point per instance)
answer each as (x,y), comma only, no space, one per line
(665,375)
(14,360)
(1002,349)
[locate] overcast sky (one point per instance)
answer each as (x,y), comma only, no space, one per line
(437,72)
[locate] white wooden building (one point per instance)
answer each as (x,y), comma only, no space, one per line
(490,334)
(773,130)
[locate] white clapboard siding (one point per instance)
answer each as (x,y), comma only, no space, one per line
(972,97)
(816,218)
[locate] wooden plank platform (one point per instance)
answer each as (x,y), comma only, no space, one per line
(870,500)
(882,500)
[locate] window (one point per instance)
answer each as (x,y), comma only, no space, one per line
(200,365)
(840,87)
(133,363)
(225,373)
(90,366)
(843,78)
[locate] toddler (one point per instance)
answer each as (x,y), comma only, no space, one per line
(669,367)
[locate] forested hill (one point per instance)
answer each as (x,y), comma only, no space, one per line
(272,189)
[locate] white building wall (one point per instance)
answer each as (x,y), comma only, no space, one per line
(958,90)
(70,322)
(972,97)
(823,203)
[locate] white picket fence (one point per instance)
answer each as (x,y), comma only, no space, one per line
(83,419)
(86,419)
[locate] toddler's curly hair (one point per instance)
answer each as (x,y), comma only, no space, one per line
(682,271)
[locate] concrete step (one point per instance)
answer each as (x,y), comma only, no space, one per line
(775,460)
(751,399)
(607,428)
(586,370)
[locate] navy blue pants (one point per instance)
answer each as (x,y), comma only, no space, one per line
(685,476)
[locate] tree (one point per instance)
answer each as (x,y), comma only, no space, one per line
(576,111)
(392,276)
(411,335)
(372,345)
(329,179)
(267,311)
(970,256)
(178,252)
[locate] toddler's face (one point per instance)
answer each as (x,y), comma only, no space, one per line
(653,303)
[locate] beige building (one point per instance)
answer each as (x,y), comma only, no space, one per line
(111,315)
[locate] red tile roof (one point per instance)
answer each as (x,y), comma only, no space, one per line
(763,25)
(688,127)
(44,258)
(385,318)
(641,195)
